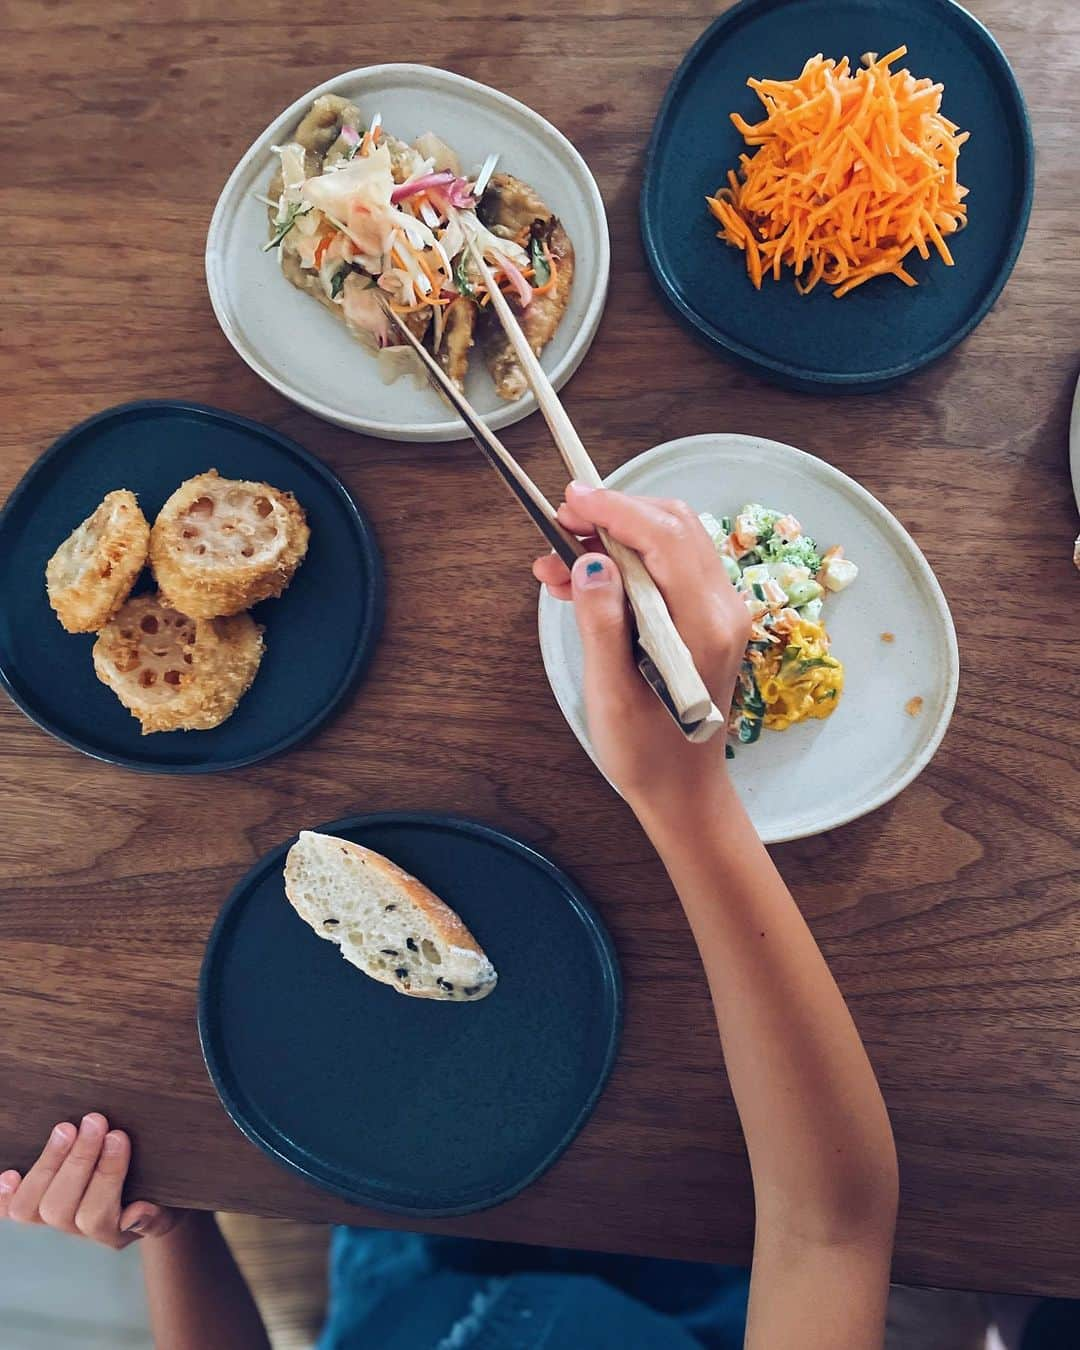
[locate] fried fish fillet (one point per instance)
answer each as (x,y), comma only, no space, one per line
(327,133)
(175,673)
(322,135)
(459,326)
(91,574)
(320,132)
(511,206)
(220,545)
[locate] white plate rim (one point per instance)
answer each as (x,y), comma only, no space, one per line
(452,428)
(889,523)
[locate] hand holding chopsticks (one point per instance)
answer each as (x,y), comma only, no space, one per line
(663,657)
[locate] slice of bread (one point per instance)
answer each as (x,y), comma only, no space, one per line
(385,922)
(91,574)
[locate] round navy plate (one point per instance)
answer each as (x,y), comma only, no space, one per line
(319,634)
(406,1104)
(883,331)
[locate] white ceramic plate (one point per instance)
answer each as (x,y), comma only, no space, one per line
(815,775)
(304,351)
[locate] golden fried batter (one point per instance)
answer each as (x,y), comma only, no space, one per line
(453,354)
(221,545)
(320,131)
(174,673)
(511,205)
(319,134)
(91,574)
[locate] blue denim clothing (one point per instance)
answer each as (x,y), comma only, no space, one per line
(406,1291)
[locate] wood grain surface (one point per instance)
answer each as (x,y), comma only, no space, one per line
(950,918)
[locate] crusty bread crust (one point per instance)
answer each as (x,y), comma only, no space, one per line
(91,574)
(220,545)
(175,673)
(329,916)
(447,922)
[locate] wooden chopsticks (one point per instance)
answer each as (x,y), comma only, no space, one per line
(566,545)
(696,725)
(694,709)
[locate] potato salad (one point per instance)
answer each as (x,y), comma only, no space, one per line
(788,673)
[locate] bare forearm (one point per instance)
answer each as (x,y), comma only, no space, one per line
(816,1129)
(198,1298)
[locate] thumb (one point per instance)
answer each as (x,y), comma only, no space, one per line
(603,622)
(144,1219)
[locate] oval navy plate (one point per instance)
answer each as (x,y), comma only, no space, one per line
(331,614)
(883,331)
(407,1104)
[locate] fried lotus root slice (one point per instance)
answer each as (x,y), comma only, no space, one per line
(91,574)
(509,205)
(175,673)
(221,545)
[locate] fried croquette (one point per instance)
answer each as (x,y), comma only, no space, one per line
(91,574)
(219,545)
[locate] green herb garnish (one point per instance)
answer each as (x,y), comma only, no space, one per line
(284,223)
(758,590)
(338,281)
(461,279)
(541,233)
(541,266)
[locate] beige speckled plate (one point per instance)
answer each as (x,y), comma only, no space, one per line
(303,351)
(816,775)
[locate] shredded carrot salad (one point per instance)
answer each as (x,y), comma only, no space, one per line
(851,172)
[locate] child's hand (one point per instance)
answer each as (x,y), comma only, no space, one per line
(638,745)
(76,1186)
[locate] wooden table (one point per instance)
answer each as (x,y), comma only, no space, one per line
(949,917)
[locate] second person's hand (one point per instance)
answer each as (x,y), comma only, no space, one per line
(639,747)
(76,1186)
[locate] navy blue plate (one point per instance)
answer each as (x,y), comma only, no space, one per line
(407,1104)
(319,634)
(883,331)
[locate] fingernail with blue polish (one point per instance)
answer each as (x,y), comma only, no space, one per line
(595,574)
